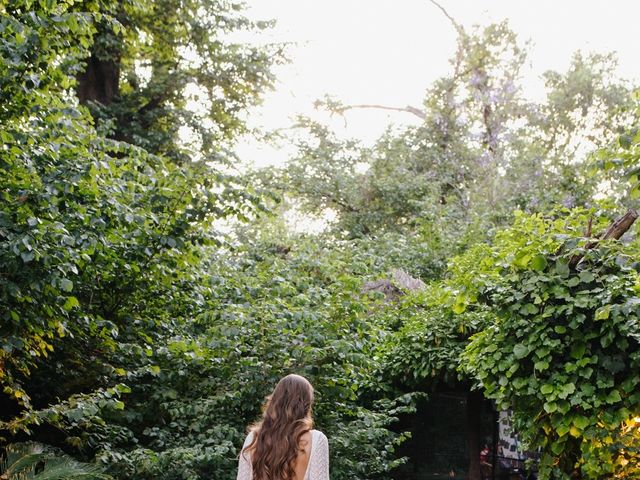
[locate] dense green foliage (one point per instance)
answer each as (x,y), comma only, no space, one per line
(563,349)
(32,462)
(136,334)
(449,185)
(270,311)
(115,283)
(92,229)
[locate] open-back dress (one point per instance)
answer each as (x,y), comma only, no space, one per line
(317,468)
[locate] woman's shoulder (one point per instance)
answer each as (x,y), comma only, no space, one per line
(317,435)
(248,439)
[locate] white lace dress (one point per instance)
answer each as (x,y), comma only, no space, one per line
(317,469)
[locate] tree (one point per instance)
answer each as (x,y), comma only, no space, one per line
(99,239)
(482,150)
(149,60)
(616,165)
(131,335)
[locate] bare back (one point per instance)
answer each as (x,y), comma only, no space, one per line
(302,460)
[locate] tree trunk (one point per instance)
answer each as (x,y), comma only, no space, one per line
(474,433)
(100,82)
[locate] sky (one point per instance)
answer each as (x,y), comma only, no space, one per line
(389,51)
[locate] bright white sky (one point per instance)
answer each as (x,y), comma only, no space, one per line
(389,51)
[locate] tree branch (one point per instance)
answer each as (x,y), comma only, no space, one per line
(614,232)
(455,24)
(620,226)
(421,114)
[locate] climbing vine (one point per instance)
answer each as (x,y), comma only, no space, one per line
(563,350)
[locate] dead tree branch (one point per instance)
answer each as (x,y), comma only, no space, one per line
(614,232)
(455,24)
(421,114)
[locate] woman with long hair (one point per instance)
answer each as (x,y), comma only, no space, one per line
(284,445)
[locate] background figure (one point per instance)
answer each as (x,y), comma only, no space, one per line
(485,466)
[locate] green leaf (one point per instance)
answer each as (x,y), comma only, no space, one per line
(27,256)
(603,312)
(539,263)
(546,389)
(66,284)
(70,303)
(563,429)
(458,307)
(578,351)
(586,276)
(562,268)
(558,447)
(541,365)
(573,281)
(122,388)
(5,136)
(566,390)
(520,351)
(563,406)
(613,397)
(581,422)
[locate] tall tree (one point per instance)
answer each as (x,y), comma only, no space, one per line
(482,150)
(168,75)
(101,241)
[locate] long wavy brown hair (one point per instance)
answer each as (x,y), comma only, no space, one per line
(276,438)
